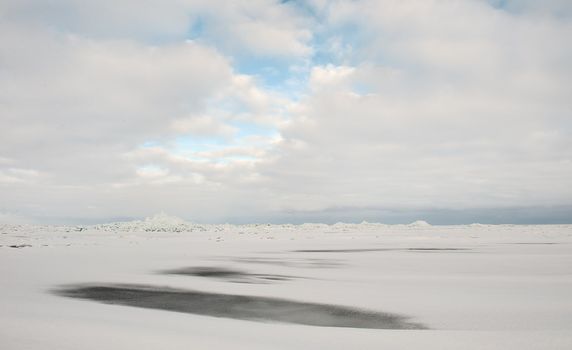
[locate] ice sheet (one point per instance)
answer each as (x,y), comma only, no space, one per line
(473,286)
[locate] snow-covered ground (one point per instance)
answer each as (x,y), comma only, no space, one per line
(170,284)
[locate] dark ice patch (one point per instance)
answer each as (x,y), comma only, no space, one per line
(299,263)
(361,250)
(535,243)
(437,249)
(241,307)
(358,250)
(206,272)
(230,275)
(19,246)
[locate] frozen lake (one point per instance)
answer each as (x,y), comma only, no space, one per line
(365,286)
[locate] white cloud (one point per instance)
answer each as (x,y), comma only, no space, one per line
(265,38)
(76,109)
(467,108)
(260,27)
(74,104)
(18,176)
(104,18)
(324,76)
(203,126)
(558,8)
(263,27)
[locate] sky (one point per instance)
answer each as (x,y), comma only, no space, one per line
(450,111)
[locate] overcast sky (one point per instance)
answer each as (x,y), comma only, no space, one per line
(450,111)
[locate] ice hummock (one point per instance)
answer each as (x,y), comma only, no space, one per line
(162,219)
(160,222)
(419,223)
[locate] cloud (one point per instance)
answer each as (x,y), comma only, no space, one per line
(73,104)
(558,8)
(464,108)
(203,126)
(129,108)
(328,76)
(260,27)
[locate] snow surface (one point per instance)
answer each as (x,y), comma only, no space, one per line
(473,286)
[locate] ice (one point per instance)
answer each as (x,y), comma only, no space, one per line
(170,283)
(420,223)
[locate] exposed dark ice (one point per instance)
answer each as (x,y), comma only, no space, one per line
(241,307)
(363,250)
(231,275)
